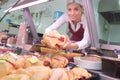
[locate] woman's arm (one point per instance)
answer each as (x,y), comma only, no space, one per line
(85,42)
(69,45)
(63,19)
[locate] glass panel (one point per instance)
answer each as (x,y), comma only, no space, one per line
(107,15)
(89,13)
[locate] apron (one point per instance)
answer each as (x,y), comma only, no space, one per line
(78,35)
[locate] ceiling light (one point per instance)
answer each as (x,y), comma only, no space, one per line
(25,3)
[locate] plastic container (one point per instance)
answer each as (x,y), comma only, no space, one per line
(94,77)
(57,14)
(93,65)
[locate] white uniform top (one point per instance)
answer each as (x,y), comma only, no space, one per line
(85,42)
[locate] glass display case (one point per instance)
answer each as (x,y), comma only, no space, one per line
(24,5)
(104,21)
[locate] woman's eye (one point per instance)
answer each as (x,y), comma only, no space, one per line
(69,9)
(76,9)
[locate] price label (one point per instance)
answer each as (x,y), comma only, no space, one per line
(34,59)
(2,61)
(7,57)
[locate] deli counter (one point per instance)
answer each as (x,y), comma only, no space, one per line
(24,56)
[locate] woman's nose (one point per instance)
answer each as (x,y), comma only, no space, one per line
(72,12)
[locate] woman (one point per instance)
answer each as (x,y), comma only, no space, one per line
(77,26)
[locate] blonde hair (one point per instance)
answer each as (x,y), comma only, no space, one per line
(75,1)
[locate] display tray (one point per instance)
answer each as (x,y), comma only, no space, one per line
(111,66)
(94,77)
(88,62)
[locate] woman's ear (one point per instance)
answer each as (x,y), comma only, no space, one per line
(82,10)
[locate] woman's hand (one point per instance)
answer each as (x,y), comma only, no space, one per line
(46,45)
(43,43)
(67,43)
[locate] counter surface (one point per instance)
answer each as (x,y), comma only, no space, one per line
(103,76)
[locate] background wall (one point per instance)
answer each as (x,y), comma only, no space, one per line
(42,15)
(106,32)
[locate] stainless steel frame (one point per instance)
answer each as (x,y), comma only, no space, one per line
(89,13)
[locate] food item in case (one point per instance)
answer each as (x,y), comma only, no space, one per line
(3,37)
(59,61)
(30,61)
(81,73)
(5,68)
(59,74)
(31,67)
(45,50)
(71,56)
(89,62)
(91,58)
(53,39)
(22,35)
(65,74)
(11,40)
(16,77)
(37,72)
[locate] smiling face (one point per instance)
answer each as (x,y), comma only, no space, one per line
(74,12)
